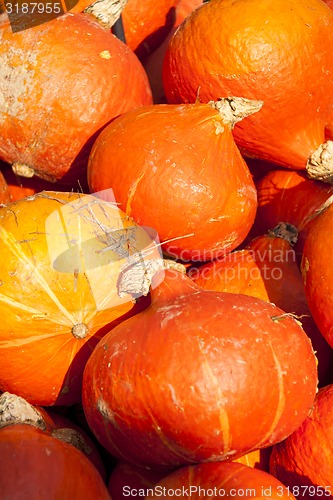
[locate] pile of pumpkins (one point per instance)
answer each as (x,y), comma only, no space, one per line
(166,221)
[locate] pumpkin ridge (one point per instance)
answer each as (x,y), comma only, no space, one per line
(223,416)
(281,401)
(8,240)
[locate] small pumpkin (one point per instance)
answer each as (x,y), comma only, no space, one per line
(267,268)
(260,50)
(76,77)
(222,480)
(290,197)
(302,462)
(61,254)
(318,273)
(39,466)
(203,399)
(177,169)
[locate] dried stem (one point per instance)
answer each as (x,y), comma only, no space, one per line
(319,166)
(234,109)
(106,12)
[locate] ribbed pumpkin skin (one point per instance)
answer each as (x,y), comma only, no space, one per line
(37,466)
(226,479)
(76,76)
(46,290)
(260,50)
(303,459)
(318,272)
(177,169)
(194,404)
(290,197)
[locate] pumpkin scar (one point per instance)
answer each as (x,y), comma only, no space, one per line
(281,400)
(131,193)
(9,240)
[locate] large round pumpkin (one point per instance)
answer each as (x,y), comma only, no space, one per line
(61,255)
(182,382)
(62,82)
(261,50)
(318,272)
(303,462)
(177,169)
(36,466)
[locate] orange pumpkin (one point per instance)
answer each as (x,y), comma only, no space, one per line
(290,197)
(153,62)
(302,462)
(77,77)
(15,410)
(260,50)
(146,24)
(40,466)
(61,254)
(177,169)
(318,273)
(182,382)
(267,269)
(221,480)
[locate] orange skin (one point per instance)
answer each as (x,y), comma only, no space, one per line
(41,302)
(146,24)
(267,269)
(69,92)
(171,171)
(304,458)
(229,478)
(318,273)
(5,196)
(260,50)
(39,466)
(289,196)
(194,404)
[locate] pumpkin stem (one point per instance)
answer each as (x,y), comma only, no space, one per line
(23,170)
(285,231)
(106,12)
(136,278)
(319,166)
(234,109)
(16,410)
